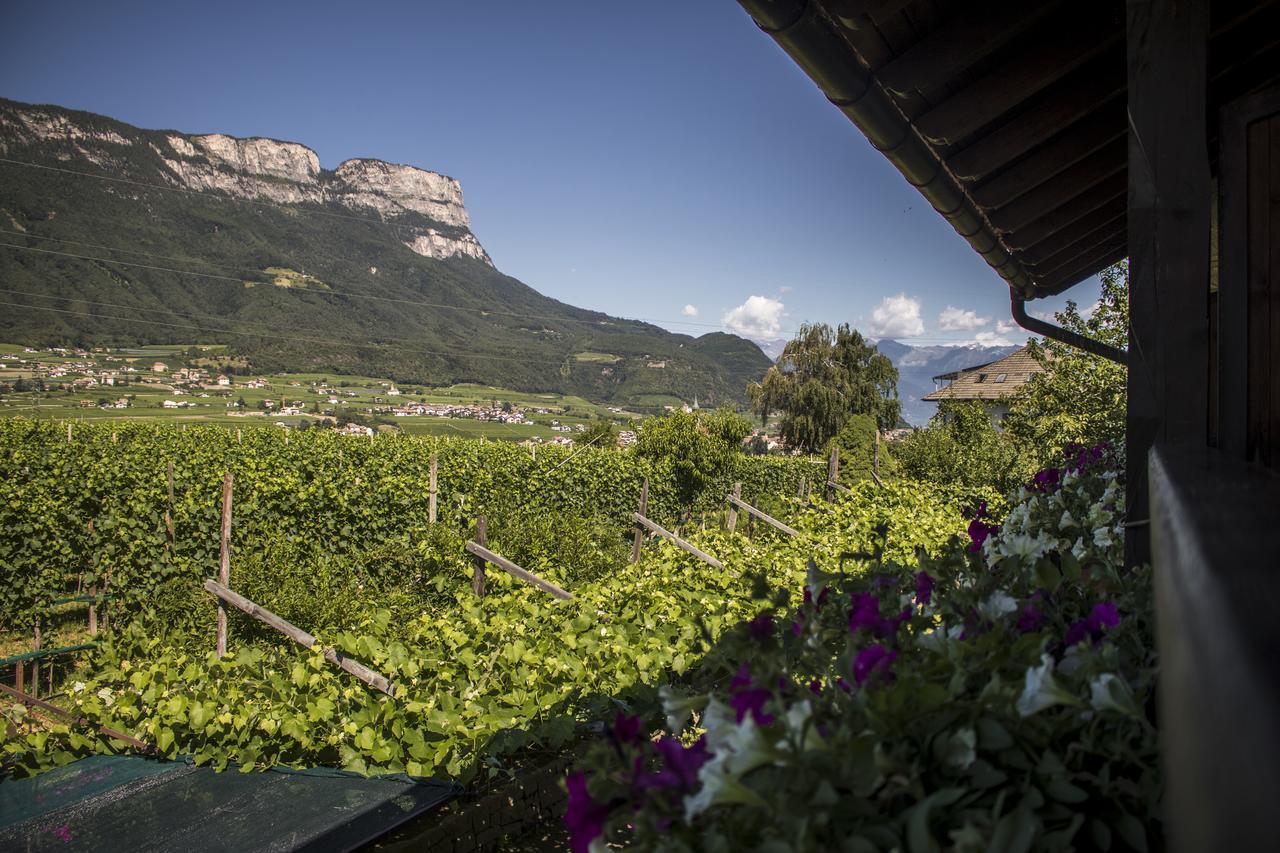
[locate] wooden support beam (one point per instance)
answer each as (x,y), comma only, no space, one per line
(1065,278)
(1084,208)
(833,470)
(765,517)
(224,561)
(834,486)
(1055,242)
(481,538)
(637,542)
(677,541)
(431,496)
(731,514)
(1089,172)
(1066,103)
(1035,64)
(482,553)
(374,679)
(1054,254)
(972,33)
(1168,226)
(34,702)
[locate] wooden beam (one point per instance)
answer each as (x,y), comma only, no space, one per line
(1169,197)
(766,518)
(299,636)
(477,568)
(972,33)
(1060,280)
(731,514)
(677,541)
(834,486)
(33,702)
(1053,254)
(1084,206)
(1104,163)
(637,542)
(483,553)
(1062,152)
(224,560)
(1036,64)
(1074,231)
(1065,103)
(1069,260)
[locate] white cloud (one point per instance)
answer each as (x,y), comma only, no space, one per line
(758,317)
(1004,327)
(1047,316)
(991,339)
(1088,311)
(897,317)
(689,310)
(954,319)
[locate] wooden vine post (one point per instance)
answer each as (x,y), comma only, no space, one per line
(482,539)
(68,432)
(752,512)
(432,495)
(224,561)
(484,555)
(35,664)
(804,488)
(678,542)
(93,591)
(833,471)
(638,542)
(731,515)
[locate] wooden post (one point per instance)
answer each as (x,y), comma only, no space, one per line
(93,611)
(431,497)
(224,561)
(731,514)
(1169,196)
(115,438)
(482,539)
(68,432)
(875,456)
(168,512)
(638,542)
(484,555)
(833,470)
(299,636)
(239,437)
(804,488)
(35,664)
(678,542)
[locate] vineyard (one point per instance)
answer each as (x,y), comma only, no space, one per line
(333,534)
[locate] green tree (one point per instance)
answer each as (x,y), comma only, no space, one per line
(599,433)
(823,376)
(1080,398)
(857,443)
(961,448)
(701,445)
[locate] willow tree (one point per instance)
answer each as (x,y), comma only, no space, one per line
(822,377)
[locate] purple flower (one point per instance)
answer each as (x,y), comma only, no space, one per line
(865,613)
(843,685)
(1046,480)
(748,699)
(815,687)
(870,660)
(979,531)
(924,588)
(761,627)
(1030,619)
(1104,615)
(626,729)
(797,628)
(679,765)
(584,817)
(822,597)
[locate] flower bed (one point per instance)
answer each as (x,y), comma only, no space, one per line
(996,696)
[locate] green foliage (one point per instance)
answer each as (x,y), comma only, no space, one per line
(961,448)
(1079,398)
(859,450)
(599,433)
(823,376)
(949,700)
(699,447)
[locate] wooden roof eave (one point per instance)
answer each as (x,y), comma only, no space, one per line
(802,30)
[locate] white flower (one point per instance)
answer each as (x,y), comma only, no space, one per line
(997,605)
(1109,692)
(1023,547)
(1078,549)
(937,639)
(78,687)
(738,748)
(1042,690)
(678,708)
(1066,520)
(959,750)
(107,696)
(1102,537)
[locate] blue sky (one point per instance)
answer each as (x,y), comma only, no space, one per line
(650,162)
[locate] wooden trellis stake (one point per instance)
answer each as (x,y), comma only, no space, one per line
(734,500)
(368,676)
(638,542)
(482,539)
(431,496)
(224,562)
(804,488)
(731,515)
(833,486)
(68,432)
(483,555)
(833,470)
(677,541)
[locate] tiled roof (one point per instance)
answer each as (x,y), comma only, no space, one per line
(991,381)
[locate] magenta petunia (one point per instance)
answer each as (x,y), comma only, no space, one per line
(1030,619)
(762,626)
(815,687)
(924,588)
(745,698)
(1046,480)
(1104,615)
(679,765)
(797,628)
(583,816)
(872,659)
(626,728)
(843,685)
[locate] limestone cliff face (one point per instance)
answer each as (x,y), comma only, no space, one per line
(269,170)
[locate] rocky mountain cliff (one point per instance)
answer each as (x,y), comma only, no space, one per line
(111,234)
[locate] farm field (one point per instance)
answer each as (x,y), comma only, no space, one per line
(241,404)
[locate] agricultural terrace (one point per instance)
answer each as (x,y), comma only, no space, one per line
(882,647)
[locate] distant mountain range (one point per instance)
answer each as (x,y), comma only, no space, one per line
(114,235)
(916,368)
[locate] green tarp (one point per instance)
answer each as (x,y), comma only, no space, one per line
(130,803)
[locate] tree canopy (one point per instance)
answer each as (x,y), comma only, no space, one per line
(823,377)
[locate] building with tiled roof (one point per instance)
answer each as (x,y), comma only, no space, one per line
(993,383)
